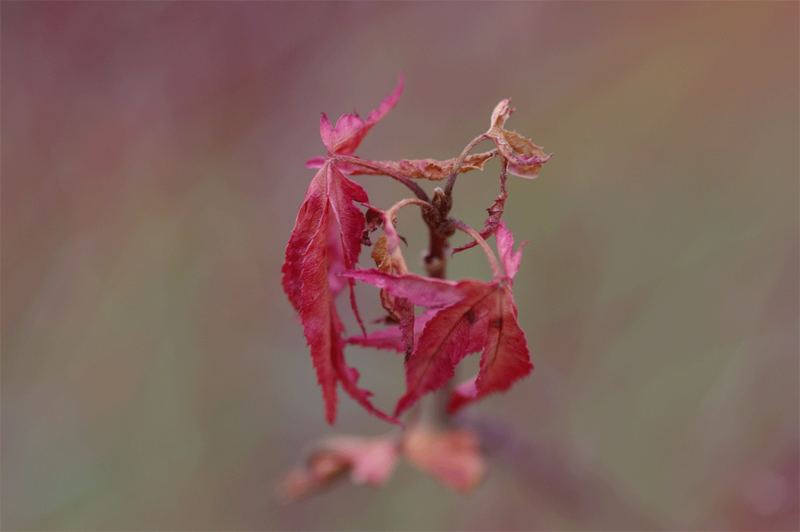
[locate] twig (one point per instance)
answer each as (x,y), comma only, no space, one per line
(497,270)
(451,181)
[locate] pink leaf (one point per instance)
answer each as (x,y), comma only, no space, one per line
(467,317)
(325,241)
(505,245)
(505,357)
(452,333)
(350,129)
(424,291)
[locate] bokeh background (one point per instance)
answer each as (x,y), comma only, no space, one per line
(154,376)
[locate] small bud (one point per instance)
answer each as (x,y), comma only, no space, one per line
(442,201)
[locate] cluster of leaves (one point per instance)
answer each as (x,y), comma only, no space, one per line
(451,456)
(459,318)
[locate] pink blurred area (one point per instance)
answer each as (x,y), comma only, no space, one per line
(153,373)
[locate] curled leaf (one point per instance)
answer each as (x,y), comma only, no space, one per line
(380,254)
(373,219)
(388,258)
(425,291)
(510,258)
(524,157)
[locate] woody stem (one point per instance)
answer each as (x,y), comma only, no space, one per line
(436,259)
(434,411)
(440,230)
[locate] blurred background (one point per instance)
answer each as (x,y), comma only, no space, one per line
(154,375)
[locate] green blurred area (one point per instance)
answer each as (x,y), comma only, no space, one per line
(154,375)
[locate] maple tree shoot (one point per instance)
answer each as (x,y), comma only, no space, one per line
(456,318)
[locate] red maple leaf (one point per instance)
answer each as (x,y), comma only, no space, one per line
(350,129)
(326,241)
(469,316)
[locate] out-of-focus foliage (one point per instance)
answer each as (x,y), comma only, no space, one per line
(152,163)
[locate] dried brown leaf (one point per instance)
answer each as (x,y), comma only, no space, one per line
(430,169)
(524,157)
